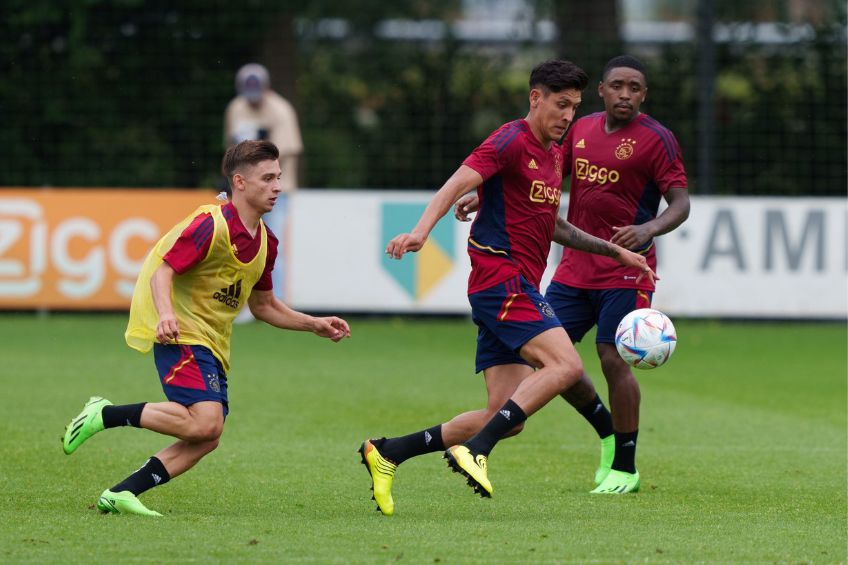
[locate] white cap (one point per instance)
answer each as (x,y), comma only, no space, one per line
(251,80)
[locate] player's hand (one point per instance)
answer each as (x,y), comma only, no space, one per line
(638,262)
(167,330)
(331,327)
(403,243)
(468,204)
(631,237)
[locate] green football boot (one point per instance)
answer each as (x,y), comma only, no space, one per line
(382,472)
(619,482)
(85,425)
(474,467)
(607,455)
(123,502)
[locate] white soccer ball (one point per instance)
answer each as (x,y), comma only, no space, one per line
(645,338)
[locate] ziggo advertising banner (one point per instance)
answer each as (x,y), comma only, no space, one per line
(734,257)
(82,249)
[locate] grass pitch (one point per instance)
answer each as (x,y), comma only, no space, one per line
(742,453)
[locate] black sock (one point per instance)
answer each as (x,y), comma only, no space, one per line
(126,415)
(151,474)
(399,449)
(625,452)
(507,418)
(597,414)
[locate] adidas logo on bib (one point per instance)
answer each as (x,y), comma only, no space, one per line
(229,295)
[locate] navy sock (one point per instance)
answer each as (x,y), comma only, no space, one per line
(151,474)
(126,415)
(598,416)
(399,449)
(507,418)
(625,451)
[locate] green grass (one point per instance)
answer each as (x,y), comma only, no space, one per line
(742,453)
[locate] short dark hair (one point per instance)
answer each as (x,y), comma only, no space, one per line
(556,75)
(625,61)
(248,152)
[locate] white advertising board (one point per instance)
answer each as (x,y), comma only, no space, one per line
(734,257)
(757,257)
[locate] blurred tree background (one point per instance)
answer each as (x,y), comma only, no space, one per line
(394,95)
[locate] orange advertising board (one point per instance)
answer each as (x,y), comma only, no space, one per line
(82,248)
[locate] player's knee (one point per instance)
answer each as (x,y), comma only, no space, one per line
(203,448)
(206,432)
(212,444)
(212,432)
(570,376)
(566,368)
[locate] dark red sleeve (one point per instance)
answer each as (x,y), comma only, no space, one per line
(265,282)
(192,245)
(497,152)
(669,171)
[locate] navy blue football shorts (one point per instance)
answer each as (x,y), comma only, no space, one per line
(190,374)
(508,315)
(580,308)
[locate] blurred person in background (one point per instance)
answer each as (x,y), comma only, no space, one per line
(621,162)
(257,112)
(192,285)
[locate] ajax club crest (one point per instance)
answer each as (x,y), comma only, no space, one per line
(625,148)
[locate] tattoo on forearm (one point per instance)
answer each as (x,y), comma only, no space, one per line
(578,239)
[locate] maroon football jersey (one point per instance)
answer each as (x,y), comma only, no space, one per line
(193,244)
(519,202)
(617,179)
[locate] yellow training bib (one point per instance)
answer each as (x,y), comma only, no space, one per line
(206,298)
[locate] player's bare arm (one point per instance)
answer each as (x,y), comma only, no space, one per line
(271,310)
(167,330)
(570,236)
(463,180)
(633,237)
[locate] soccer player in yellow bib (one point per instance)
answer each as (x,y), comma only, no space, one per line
(191,287)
